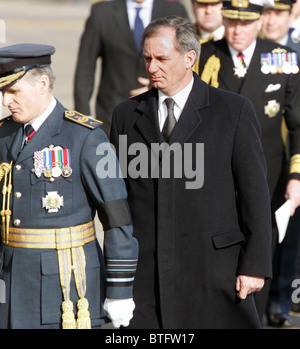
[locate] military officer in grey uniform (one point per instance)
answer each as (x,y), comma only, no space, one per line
(53,181)
(268,74)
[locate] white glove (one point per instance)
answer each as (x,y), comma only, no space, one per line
(120,311)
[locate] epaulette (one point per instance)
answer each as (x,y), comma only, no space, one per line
(82,119)
(211,71)
(2,121)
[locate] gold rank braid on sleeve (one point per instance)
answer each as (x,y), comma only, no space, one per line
(295,164)
(211,71)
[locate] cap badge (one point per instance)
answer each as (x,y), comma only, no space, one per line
(240,3)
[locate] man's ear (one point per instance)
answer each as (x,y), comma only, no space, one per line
(190,58)
(44,83)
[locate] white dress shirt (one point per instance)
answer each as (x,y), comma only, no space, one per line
(145,13)
(248,54)
(180,99)
(37,123)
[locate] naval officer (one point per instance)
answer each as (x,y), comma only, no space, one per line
(268,74)
(52,184)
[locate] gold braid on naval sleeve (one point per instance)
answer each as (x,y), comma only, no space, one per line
(5,171)
(295,164)
(211,71)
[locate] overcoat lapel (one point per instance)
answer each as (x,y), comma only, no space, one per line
(188,122)
(148,122)
(191,116)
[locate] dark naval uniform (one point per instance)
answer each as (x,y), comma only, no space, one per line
(50,258)
(275,96)
(272,83)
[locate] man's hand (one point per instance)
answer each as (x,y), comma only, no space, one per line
(293,193)
(145,83)
(246,285)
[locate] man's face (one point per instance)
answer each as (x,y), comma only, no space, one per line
(208,16)
(168,70)
(22,99)
(275,24)
(240,34)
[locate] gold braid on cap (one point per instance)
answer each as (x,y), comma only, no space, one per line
(211,71)
(243,15)
(6,80)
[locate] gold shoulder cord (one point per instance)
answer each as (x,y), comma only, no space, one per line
(211,71)
(5,171)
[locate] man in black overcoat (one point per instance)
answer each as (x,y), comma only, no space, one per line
(197,192)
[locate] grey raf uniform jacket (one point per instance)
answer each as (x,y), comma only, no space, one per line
(31,275)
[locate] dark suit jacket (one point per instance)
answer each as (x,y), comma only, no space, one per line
(254,86)
(108,36)
(33,290)
(193,242)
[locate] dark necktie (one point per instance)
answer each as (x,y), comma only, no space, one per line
(138,29)
(170,120)
(29,133)
(241,57)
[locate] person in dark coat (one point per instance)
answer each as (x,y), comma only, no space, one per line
(52,184)
(197,192)
(108,36)
(276,27)
(252,67)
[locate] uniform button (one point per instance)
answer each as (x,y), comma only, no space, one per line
(17,195)
(17,222)
(18,167)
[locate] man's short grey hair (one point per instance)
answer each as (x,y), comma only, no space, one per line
(35,73)
(186,37)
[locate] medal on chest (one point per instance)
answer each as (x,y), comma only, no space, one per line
(279,62)
(52,202)
(240,71)
(52,162)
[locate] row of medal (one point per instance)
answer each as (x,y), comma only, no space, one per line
(279,63)
(52,162)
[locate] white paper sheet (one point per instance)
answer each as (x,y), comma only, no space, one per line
(282,216)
